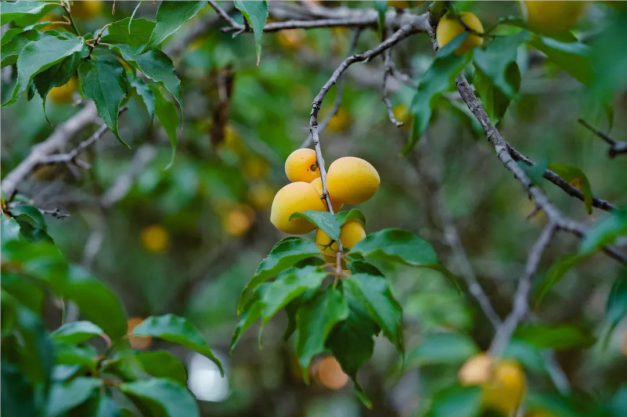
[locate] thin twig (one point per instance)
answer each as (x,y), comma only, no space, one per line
(384,89)
(67,7)
(616,148)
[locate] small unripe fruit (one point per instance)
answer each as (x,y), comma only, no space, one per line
(155,239)
(450,27)
(294,198)
(302,165)
(352,180)
(64,93)
(553,16)
(337,206)
(350,233)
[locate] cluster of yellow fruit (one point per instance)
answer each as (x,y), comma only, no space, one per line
(350,180)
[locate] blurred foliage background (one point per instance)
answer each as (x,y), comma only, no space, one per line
(187,239)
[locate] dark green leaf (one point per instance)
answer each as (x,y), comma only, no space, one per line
(494,101)
(604,231)
(256,13)
(10,229)
(170,17)
(557,337)
(435,81)
(37,56)
(575,177)
(616,308)
(58,74)
(105,407)
(284,254)
(555,274)
(381,7)
(168,117)
(19,9)
(345,216)
(138,35)
(370,288)
(177,330)
(572,57)
(322,220)
(534,172)
(443,349)
(76,332)
(529,356)
(314,321)
(11,47)
(36,354)
(101,81)
(163,364)
(147,96)
(456,401)
(164,395)
(247,318)
(8,315)
(25,291)
(30,215)
(395,245)
(67,354)
(66,396)
(18,397)
(609,58)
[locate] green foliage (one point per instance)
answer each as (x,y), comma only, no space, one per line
(20,9)
(256,13)
(555,337)
(443,349)
(572,57)
(575,176)
(170,17)
(616,307)
(323,220)
(161,397)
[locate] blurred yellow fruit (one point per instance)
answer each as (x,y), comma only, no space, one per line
(350,233)
(337,206)
(536,412)
(255,168)
(239,220)
(261,195)
(451,26)
(401,112)
(553,16)
(352,180)
(137,342)
(86,9)
(293,198)
(328,373)
(64,94)
(291,39)
(340,121)
(155,239)
(400,4)
(51,17)
(302,165)
(503,382)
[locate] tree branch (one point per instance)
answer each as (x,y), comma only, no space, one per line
(616,148)
(386,100)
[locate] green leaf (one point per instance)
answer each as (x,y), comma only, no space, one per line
(18,397)
(168,117)
(381,7)
(616,307)
(163,364)
(555,274)
(314,321)
(37,56)
(395,245)
(370,288)
(345,216)
(138,35)
(20,9)
(10,230)
(529,356)
(36,353)
(177,330)
(147,96)
(66,396)
(577,178)
(247,319)
(322,220)
(101,81)
(77,332)
(30,215)
(456,401)
(289,285)
(609,58)
(572,57)
(558,337)
(256,13)
(67,354)
(26,292)
(604,231)
(170,17)
(162,396)
(494,101)
(11,47)
(284,254)
(443,349)
(435,81)
(535,172)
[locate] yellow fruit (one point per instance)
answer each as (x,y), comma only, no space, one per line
(350,233)
(293,198)
(553,16)
(261,195)
(291,39)
(302,165)
(352,180)
(401,112)
(51,17)
(538,413)
(63,94)
(337,206)
(329,374)
(450,27)
(503,382)
(339,122)
(238,220)
(155,239)
(137,342)
(255,168)
(86,9)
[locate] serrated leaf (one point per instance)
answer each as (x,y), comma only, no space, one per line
(256,13)
(163,364)
(177,330)
(456,401)
(577,178)
(494,101)
(138,35)
(314,321)
(604,231)
(371,290)
(435,81)
(168,117)
(616,307)
(322,220)
(12,46)
(146,94)
(37,56)
(77,332)
(284,254)
(170,398)
(443,349)
(345,216)
(572,57)
(102,81)
(558,337)
(170,17)
(66,396)
(20,9)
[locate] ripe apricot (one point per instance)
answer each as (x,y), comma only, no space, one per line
(329,374)
(503,382)
(155,239)
(352,180)
(86,9)
(293,198)
(238,220)
(340,121)
(553,16)
(337,206)
(451,26)
(64,93)
(302,165)
(351,232)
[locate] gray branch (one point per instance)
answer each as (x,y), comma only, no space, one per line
(616,148)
